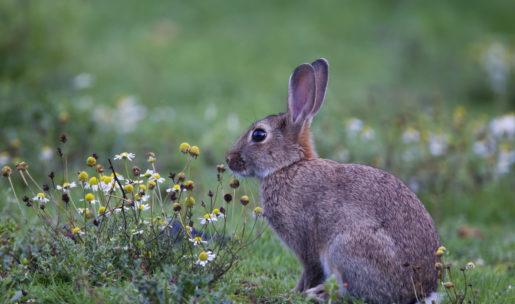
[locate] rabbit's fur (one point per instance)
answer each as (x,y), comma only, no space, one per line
(359,223)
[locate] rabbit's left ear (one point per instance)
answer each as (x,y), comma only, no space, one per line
(301,94)
(321,67)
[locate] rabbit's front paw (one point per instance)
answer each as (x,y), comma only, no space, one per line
(317,293)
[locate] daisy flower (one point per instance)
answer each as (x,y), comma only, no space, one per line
(65,188)
(174,188)
(204,258)
(125,155)
(217,214)
(157,177)
(40,197)
(142,207)
(92,184)
(76,230)
(147,173)
(208,218)
(197,241)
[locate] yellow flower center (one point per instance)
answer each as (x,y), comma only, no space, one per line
(93,181)
(258,210)
(102,210)
(176,187)
(75,230)
(194,151)
(203,256)
(156,176)
(142,187)
(106,179)
(89,197)
(41,195)
(83,176)
(129,188)
(207,216)
(216,211)
(198,239)
(66,185)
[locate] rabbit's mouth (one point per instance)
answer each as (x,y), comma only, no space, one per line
(236,163)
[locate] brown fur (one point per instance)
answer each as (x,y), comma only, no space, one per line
(357,222)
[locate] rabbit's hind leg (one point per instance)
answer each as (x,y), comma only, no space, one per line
(363,263)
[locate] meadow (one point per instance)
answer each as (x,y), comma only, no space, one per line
(425,90)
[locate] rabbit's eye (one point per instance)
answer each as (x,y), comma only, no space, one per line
(258,135)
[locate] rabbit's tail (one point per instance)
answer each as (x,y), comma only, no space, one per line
(434,297)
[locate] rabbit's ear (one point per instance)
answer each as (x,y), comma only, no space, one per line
(301,93)
(321,67)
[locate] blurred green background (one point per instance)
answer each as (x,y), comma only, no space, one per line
(423,89)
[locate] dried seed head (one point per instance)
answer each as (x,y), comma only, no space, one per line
(210,193)
(99,168)
(438,266)
(181,177)
(173,196)
(244,200)
(25,199)
(65,197)
(136,171)
(220,168)
(189,184)
(63,138)
(6,171)
(227,197)
(448,285)
(46,188)
(22,166)
(234,183)
(51,175)
(96,222)
(176,207)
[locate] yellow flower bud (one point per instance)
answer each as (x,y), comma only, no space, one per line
(106,179)
(258,211)
(7,171)
(91,161)
(244,200)
(194,151)
(75,230)
(83,176)
(128,188)
(440,251)
(190,201)
(184,147)
(93,180)
(151,185)
(102,210)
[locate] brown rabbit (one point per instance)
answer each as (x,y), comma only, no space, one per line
(359,223)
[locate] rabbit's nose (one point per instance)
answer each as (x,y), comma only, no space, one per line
(235,162)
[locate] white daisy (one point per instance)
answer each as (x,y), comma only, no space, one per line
(125,155)
(147,173)
(197,241)
(204,258)
(65,188)
(40,197)
(142,207)
(174,188)
(208,218)
(157,178)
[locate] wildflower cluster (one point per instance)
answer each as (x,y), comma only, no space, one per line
(152,218)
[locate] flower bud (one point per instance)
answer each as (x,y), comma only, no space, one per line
(190,201)
(189,184)
(99,168)
(234,183)
(181,177)
(244,200)
(6,171)
(194,151)
(22,166)
(136,171)
(184,147)
(176,207)
(448,285)
(227,197)
(91,161)
(220,168)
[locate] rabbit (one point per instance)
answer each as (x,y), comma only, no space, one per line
(356,222)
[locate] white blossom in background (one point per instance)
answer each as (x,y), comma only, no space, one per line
(46,153)
(410,135)
(503,126)
(437,144)
(4,158)
(411,154)
(83,81)
(163,113)
(210,112)
(233,122)
(368,133)
(505,160)
(496,64)
(128,113)
(353,126)
(484,148)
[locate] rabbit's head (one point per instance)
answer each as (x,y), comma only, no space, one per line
(277,141)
